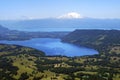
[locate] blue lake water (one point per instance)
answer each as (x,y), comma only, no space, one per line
(54,47)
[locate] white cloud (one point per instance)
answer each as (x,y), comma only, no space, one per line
(71,15)
(24,18)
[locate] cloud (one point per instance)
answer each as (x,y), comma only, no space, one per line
(25,18)
(71,15)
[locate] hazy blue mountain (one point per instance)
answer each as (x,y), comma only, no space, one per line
(7,34)
(62,24)
(3,29)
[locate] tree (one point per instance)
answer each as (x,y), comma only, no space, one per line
(23,76)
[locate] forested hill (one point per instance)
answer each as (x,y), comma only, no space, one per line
(7,34)
(23,63)
(14,58)
(102,40)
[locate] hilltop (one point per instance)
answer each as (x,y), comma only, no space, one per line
(101,40)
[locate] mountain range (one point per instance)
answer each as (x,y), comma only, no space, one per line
(61,24)
(7,34)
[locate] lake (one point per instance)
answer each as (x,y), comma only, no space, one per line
(53,46)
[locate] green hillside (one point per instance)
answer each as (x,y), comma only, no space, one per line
(23,63)
(101,40)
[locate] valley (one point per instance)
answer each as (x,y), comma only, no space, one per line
(25,63)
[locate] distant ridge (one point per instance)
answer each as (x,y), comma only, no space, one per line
(62,24)
(3,29)
(7,34)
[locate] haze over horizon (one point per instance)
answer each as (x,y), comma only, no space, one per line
(40,9)
(59,15)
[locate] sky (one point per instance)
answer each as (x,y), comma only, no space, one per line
(37,9)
